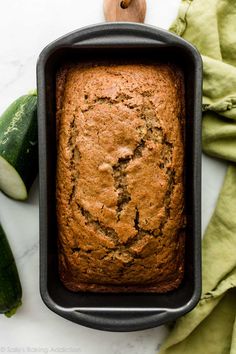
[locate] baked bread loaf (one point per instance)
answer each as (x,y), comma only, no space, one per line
(120,177)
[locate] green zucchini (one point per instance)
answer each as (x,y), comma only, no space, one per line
(19,147)
(10,286)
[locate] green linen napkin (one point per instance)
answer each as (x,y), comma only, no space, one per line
(211,327)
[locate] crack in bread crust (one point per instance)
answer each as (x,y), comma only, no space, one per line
(98,226)
(119,175)
(75,157)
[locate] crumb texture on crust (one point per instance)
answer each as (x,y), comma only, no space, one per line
(119,178)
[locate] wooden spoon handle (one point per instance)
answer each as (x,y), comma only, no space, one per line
(125,3)
(125,10)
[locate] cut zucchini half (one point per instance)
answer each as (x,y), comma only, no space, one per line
(11,182)
(19,147)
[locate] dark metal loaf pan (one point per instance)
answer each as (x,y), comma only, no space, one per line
(124,42)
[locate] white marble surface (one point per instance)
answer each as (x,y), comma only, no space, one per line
(26,26)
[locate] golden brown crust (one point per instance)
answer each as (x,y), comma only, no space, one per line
(120,188)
